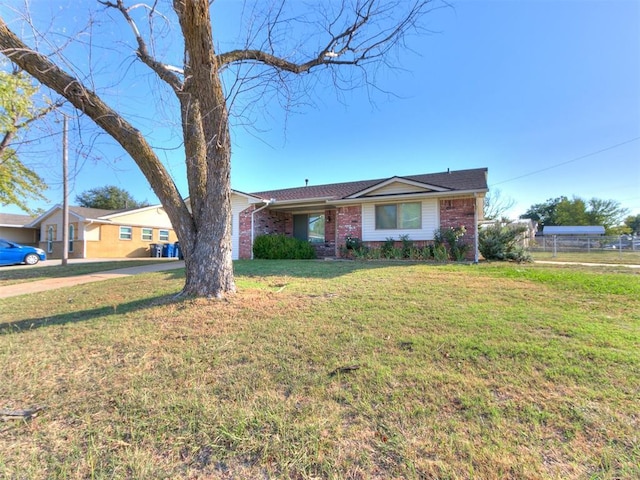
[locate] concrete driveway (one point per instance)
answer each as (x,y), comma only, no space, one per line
(54,283)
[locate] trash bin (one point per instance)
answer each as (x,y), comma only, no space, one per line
(167,250)
(177,252)
(155,250)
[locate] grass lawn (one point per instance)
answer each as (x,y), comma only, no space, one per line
(328,370)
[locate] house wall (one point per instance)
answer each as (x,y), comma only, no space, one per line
(458,212)
(359,222)
(239,203)
(110,245)
(155,216)
(265,222)
(349,220)
(429,223)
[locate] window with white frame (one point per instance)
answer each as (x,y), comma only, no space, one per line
(147,234)
(163,235)
(50,235)
(126,233)
(399,216)
(72,232)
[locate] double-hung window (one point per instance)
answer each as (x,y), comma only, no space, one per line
(399,216)
(163,235)
(126,233)
(147,234)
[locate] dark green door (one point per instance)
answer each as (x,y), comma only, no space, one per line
(301,227)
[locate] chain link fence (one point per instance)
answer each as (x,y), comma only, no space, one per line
(618,248)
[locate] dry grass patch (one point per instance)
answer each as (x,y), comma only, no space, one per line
(321,370)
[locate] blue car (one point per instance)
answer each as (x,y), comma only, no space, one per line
(12,253)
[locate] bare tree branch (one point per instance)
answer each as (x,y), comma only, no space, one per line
(42,69)
(165,72)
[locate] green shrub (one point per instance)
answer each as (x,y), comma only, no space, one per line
(407,246)
(452,237)
(440,253)
(281,247)
(501,242)
(388,247)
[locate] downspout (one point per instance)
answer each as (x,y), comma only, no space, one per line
(475,221)
(266,204)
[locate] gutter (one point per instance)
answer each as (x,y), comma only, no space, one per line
(266,204)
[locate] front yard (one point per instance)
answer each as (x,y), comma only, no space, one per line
(321,369)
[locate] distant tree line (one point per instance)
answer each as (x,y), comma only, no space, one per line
(109,198)
(576,211)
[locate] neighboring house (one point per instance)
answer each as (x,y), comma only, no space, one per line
(95,233)
(14,228)
(371,210)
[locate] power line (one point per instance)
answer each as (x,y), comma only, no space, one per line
(568,161)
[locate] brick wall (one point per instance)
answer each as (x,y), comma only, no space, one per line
(264,222)
(349,224)
(458,212)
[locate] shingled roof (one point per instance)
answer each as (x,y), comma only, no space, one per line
(459,180)
(13,219)
(96,213)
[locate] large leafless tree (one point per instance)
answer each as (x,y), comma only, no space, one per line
(360,34)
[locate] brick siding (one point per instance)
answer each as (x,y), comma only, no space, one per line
(349,224)
(460,212)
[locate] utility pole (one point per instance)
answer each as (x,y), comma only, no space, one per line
(65,194)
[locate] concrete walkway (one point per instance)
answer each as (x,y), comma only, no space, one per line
(61,282)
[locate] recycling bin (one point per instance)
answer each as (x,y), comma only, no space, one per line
(167,250)
(177,252)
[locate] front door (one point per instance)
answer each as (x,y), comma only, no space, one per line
(301,227)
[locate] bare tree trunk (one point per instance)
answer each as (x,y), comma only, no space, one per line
(208,148)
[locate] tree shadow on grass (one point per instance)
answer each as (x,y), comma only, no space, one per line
(29,324)
(117,307)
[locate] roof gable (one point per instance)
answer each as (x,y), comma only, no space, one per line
(397,186)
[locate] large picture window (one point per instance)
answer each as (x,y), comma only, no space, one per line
(399,216)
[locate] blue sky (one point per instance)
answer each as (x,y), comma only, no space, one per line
(545,94)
